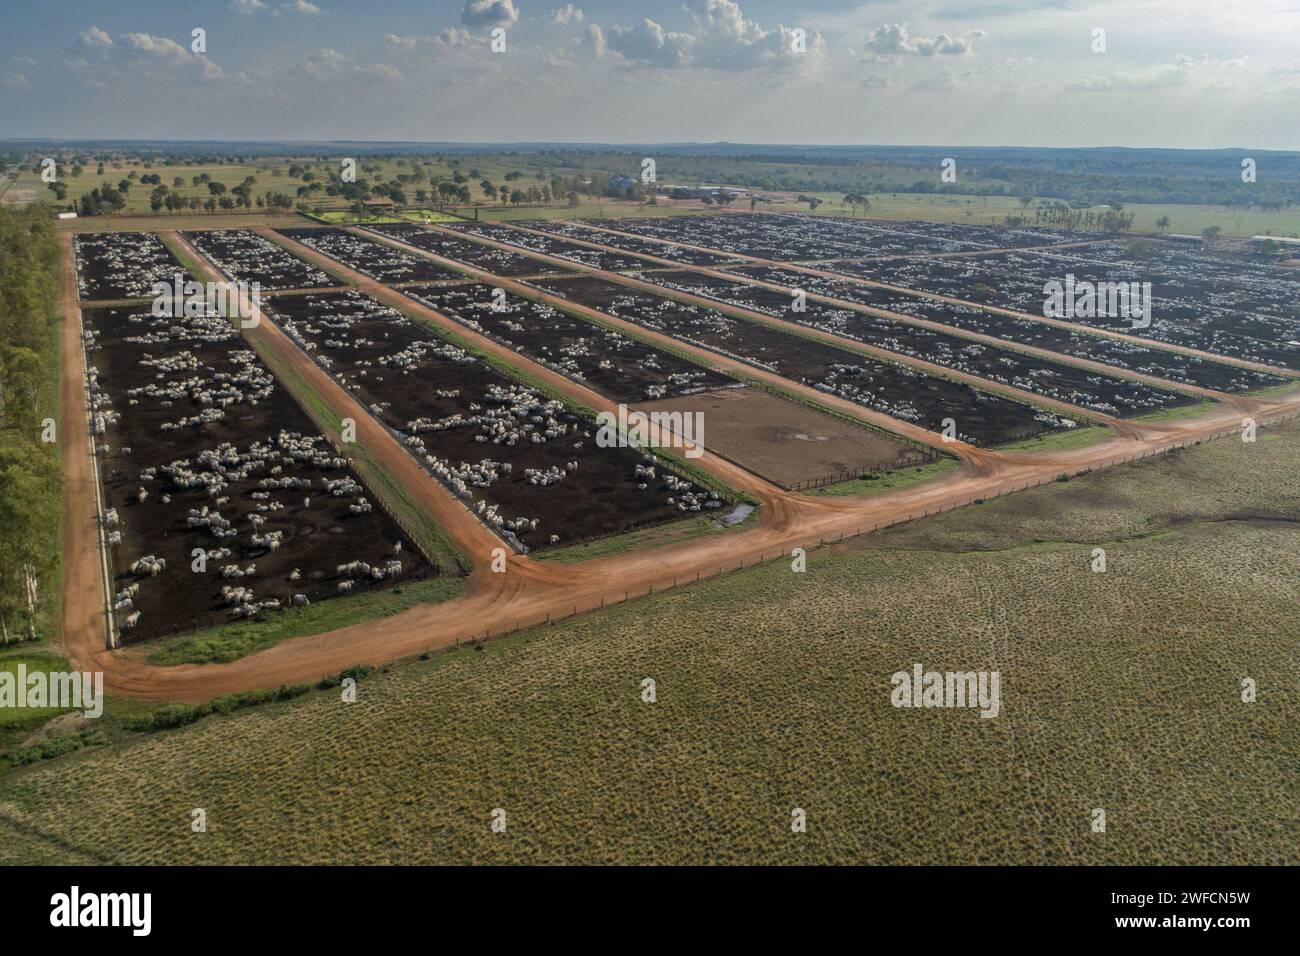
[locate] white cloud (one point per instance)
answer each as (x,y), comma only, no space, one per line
(942,82)
(568,14)
(649,43)
(303,6)
(329,64)
(448,39)
(95,38)
(247,7)
(380,71)
(16,81)
(1164,76)
(723,39)
(594,40)
(325,64)
(874,82)
(163,47)
(891,41)
(489,13)
(728,41)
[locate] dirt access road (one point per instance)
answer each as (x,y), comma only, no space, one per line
(529,592)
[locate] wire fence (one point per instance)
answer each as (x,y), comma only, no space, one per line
(835,478)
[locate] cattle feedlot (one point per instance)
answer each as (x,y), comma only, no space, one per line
(492,433)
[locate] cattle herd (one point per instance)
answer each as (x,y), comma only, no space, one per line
(222,501)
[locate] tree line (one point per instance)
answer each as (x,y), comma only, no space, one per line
(30,473)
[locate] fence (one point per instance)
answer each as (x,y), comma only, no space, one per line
(836,478)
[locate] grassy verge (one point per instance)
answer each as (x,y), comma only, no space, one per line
(891,481)
(1176,413)
(232,641)
(612,209)
(192,265)
(432,215)
(1061,441)
(696,526)
(1288,386)
(343,217)
(427,533)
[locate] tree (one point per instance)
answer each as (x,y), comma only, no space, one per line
(854,200)
(1163,224)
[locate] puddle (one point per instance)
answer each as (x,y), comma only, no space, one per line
(737,514)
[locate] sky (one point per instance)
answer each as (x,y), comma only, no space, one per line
(1173,73)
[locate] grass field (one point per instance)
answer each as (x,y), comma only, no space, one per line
(15,722)
(1120,690)
(1184,219)
(272,174)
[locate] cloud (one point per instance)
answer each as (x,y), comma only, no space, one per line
(649,43)
(380,71)
(324,64)
(874,82)
(729,41)
(594,40)
(889,42)
(567,14)
(723,39)
(167,51)
(95,38)
(945,81)
(1162,77)
(247,7)
(303,6)
(448,39)
(489,13)
(163,47)
(329,64)
(15,81)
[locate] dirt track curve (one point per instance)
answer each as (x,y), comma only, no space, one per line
(530,592)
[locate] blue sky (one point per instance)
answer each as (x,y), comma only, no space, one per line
(1192,73)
